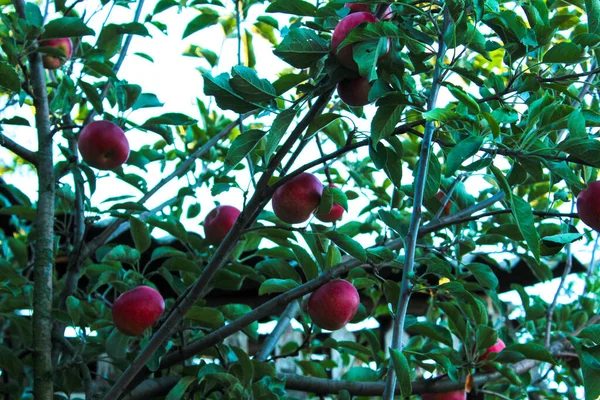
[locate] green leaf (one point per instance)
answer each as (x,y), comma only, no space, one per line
(241,147)
(563,238)
(301,48)
(294,7)
(225,96)
(10,363)
(312,368)
(276,286)
(464,98)
(525,220)
(370,31)
(464,150)
(334,257)
(484,275)
(9,79)
(402,372)
(288,81)
(339,197)
(565,53)
(577,126)
(349,245)
(249,86)
(275,268)
(19,251)
(361,374)
(563,170)
(116,345)
(585,149)
(441,115)
(66,27)
(74,309)
(435,332)
(207,317)
(140,234)
(385,120)
(92,95)
(177,119)
(122,253)
(532,351)
(180,389)
(202,21)
(433,178)
(278,129)
(319,123)
(589,358)
(309,266)
(246,364)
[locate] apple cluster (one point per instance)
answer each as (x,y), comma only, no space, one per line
(353,91)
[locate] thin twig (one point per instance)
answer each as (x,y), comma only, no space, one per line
(413,230)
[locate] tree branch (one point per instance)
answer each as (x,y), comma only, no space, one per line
(44,225)
(282,325)
(415,221)
(24,153)
(221,255)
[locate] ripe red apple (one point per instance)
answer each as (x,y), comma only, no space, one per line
(457,395)
(354,92)
(136,310)
(497,348)
(333,305)
(588,205)
(296,200)
(103,145)
(218,223)
(358,7)
(53,62)
(441,196)
(340,32)
(335,214)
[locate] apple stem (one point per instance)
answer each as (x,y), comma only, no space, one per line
(411,238)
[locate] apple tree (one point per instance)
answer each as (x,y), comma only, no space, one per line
(410,168)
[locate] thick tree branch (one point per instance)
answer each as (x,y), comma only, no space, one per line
(415,221)
(44,224)
(24,153)
(282,325)
(284,299)
(221,255)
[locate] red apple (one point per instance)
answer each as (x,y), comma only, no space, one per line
(340,32)
(354,92)
(588,205)
(296,200)
(441,196)
(103,145)
(54,62)
(358,7)
(333,305)
(335,214)
(218,223)
(497,348)
(136,310)
(457,395)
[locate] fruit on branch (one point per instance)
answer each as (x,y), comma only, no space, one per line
(357,7)
(354,92)
(335,214)
(457,395)
(55,62)
(103,145)
(333,305)
(340,33)
(441,196)
(218,223)
(296,200)
(136,310)
(588,206)
(497,348)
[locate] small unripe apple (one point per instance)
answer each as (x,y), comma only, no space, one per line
(103,145)
(296,200)
(53,62)
(588,205)
(218,223)
(457,395)
(136,310)
(340,32)
(441,196)
(354,92)
(335,214)
(333,305)
(497,348)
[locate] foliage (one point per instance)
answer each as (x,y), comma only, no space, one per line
(493,103)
